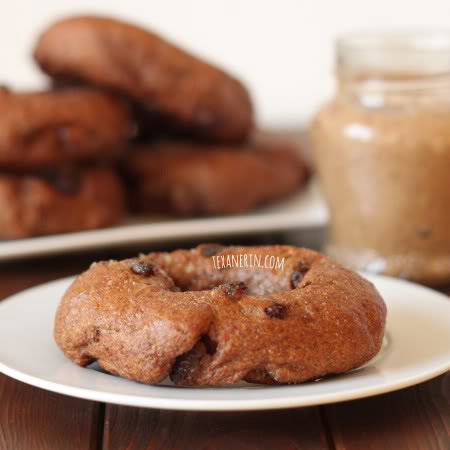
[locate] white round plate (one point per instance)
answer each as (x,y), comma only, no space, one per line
(416,349)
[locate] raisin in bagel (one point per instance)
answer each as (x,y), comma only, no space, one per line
(164,79)
(176,314)
(189,179)
(58,201)
(43,128)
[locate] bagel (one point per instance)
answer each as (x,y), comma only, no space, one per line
(182,315)
(166,81)
(187,179)
(41,129)
(59,200)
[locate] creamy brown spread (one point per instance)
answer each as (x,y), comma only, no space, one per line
(385,171)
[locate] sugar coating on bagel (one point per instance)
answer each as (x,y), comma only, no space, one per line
(178,314)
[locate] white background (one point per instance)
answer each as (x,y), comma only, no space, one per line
(283,49)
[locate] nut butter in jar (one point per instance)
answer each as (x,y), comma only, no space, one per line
(382,153)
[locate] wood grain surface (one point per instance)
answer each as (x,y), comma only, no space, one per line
(127,427)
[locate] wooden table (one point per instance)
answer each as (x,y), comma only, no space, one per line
(31,418)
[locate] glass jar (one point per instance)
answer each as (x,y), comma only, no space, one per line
(382,154)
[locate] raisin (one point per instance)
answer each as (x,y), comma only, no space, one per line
(143,268)
(96,335)
(296,278)
(424,232)
(134,131)
(180,370)
(185,364)
(276,311)
(298,275)
(303,266)
(67,181)
(210,345)
(234,289)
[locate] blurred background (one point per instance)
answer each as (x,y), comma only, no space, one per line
(282,49)
(368,156)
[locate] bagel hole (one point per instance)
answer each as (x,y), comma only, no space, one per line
(258,282)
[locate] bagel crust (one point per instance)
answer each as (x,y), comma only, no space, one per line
(41,129)
(175,314)
(186,91)
(59,201)
(186,179)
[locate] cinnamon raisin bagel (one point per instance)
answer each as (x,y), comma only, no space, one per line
(196,317)
(41,129)
(187,179)
(165,80)
(59,200)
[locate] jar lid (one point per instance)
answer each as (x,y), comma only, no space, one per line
(418,53)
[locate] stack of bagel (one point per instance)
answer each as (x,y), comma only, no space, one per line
(180,131)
